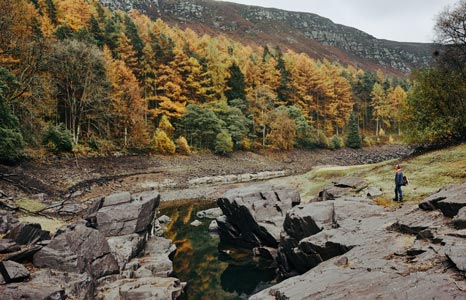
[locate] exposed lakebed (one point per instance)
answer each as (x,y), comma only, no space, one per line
(212,270)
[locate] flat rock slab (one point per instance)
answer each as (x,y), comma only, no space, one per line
(13,272)
(449,200)
(416,221)
(32,291)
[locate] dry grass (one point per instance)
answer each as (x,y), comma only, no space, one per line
(426,173)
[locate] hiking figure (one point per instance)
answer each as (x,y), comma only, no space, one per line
(398,183)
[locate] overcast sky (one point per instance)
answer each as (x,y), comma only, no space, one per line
(397,20)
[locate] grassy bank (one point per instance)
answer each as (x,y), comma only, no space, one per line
(427,173)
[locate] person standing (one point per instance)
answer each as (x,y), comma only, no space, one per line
(398,183)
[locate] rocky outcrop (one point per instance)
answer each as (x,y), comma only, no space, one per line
(357,249)
(449,200)
(111,255)
(27,233)
(303,32)
(254,216)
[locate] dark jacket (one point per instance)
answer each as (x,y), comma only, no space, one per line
(399,178)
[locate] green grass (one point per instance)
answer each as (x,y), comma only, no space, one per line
(426,173)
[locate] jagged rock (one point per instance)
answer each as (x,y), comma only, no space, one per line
(196,223)
(8,220)
(156,259)
(155,288)
(254,215)
(8,246)
(460,219)
(118,216)
(13,272)
(126,247)
(27,233)
(212,213)
(164,219)
(373,192)
(449,200)
(78,248)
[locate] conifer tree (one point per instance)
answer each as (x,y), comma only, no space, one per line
(236,87)
(353,139)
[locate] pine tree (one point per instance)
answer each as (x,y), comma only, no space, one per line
(236,86)
(353,139)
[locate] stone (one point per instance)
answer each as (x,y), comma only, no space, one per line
(350,182)
(449,200)
(417,221)
(459,221)
(27,233)
(196,223)
(13,272)
(254,215)
(164,219)
(122,218)
(25,254)
(456,252)
(154,288)
(79,249)
(213,226)
(156,258)
(8,246)
(40,291)
(8,220)
(212,213)
(374,192)
(126,247)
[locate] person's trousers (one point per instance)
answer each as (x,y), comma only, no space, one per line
(398,193)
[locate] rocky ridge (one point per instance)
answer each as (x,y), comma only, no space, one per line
(302,32)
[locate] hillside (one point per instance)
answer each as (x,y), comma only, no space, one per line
(317,36)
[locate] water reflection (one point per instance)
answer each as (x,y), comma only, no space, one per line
(213,274)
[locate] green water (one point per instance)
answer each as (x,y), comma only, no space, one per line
(204,264)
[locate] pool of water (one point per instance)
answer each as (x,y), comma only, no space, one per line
(213,271)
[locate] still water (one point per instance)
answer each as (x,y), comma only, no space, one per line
(212,271)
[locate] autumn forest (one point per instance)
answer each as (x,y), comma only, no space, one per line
(75,76)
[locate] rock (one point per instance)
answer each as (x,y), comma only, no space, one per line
(196,223)
(213,226)
(164,219)
(8,246)
(373,192)
(126,247)
(417,221)
(80,249)
(13,272)
(212,213)
(449,200)
(24,254)
(8,220)
(117,216)
(156,259)
(41,291)
(27,233)
(350,182)
(254,215)
(266,252)
(459,221)
(456,252)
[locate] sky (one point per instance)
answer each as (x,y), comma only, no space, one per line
(396,20)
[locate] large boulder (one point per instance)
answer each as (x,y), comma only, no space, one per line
(342,187)
(121,214)
(449,200)
(80,249)
(254,215)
